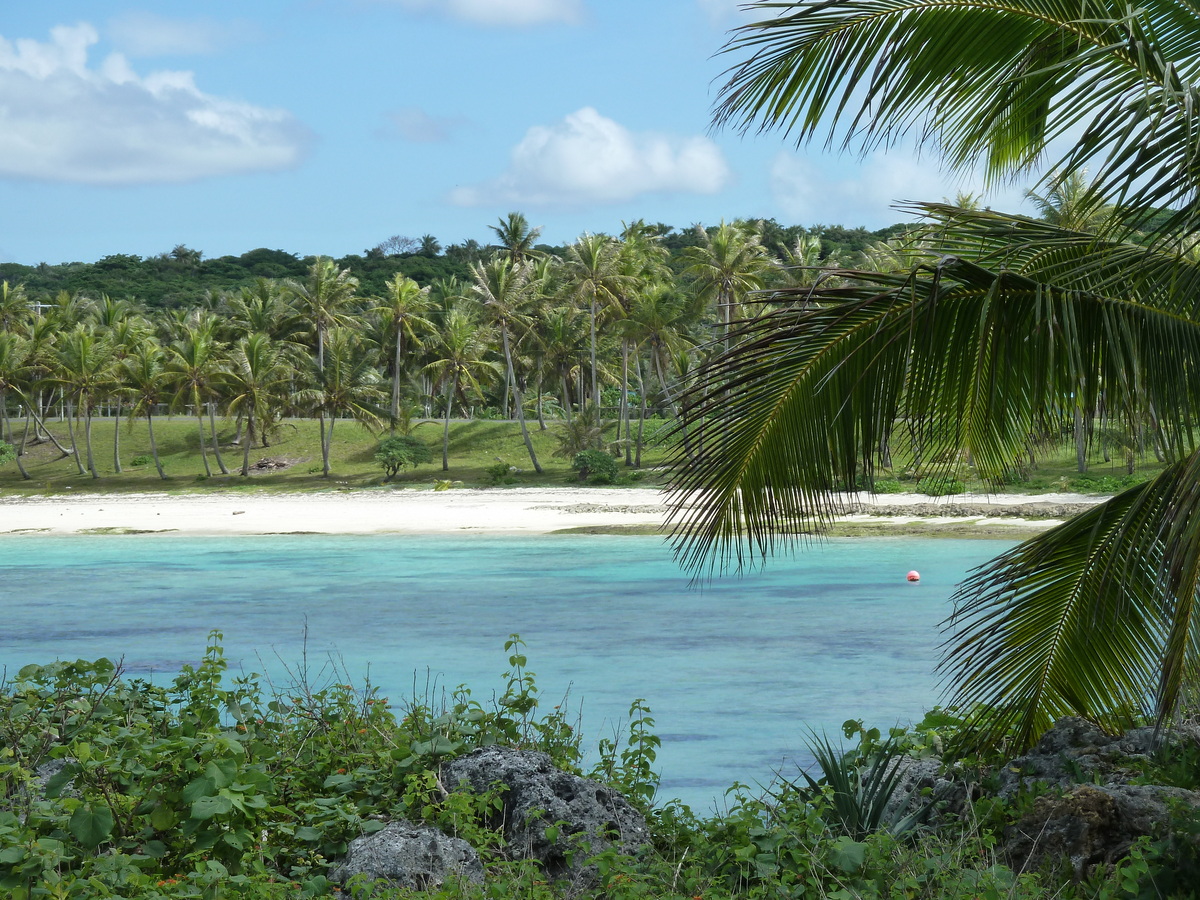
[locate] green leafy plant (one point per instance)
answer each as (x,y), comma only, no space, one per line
(399,451)
(595,467)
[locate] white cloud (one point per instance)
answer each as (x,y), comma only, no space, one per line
(806,193)
(513,13)
(148,34)
(411,123)
(61,120)
(587,158)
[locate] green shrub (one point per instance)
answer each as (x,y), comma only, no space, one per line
(940,487)
(500,473)
(7,453)
(595,467)
(888,486)
(142,460)
(398,451)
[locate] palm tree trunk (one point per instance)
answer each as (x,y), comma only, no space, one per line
(87,439)
(537,467)
(71,435)
(117,439)
(642,419)
(595,376)
(20,451)
(566,396)
(1080,439)
(396,376)
(154,443)
(203,440)
(541,418)
(446,429)
(246,446)
(212,421)
(624,416)
(327,447)
(39,420)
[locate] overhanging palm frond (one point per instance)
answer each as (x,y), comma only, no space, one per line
(1028,627)
(986,82)
(968,357)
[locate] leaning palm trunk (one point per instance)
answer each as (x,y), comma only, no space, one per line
(212,421)
(87,439)
(39,420)
(518,396)
(7,428)
(154,444)
(71,435)
(203,440)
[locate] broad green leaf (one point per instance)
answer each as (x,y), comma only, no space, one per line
(91,824)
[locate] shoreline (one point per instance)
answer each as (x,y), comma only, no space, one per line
(498,511)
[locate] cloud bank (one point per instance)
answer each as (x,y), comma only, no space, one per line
(508,13)
(588,158)
(62,120)
(805,193)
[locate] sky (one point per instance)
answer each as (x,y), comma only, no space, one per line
(328,126)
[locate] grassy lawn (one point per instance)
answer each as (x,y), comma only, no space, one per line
(475,448)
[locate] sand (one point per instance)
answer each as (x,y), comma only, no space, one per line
(497,511)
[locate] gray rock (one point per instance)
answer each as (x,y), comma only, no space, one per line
(410,856)
(1075,751)
(1090,825)
(589,817)
(920,784)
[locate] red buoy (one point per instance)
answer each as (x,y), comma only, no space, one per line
(914,575)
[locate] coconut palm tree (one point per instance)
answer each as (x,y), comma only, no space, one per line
(144,381)
(516,237)
(15,371)
(324,300)
(194,366)
(404,307)
(459,359)
(347,387)
(84,367)
(257,382)
(983,344)
(14,305)
(503,287)
(729,264)
(596,279)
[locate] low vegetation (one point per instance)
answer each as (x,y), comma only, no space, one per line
(212,787)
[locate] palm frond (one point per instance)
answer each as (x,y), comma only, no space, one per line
(1028,628)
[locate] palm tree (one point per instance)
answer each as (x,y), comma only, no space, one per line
(729,264)
(595,277)
(194,367)
(460,357)
(15,371)
(502,286)
(980,346)
(323,300)
(14,305)
(144,379)
(516,237)
(257,381)
(347,386)
(85,369)
(404,306)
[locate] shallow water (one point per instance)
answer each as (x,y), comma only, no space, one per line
(736,672)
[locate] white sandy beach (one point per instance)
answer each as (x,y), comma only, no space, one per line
(502,510)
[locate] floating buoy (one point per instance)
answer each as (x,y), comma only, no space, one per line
(914,575)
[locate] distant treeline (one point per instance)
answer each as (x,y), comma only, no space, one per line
(182,277)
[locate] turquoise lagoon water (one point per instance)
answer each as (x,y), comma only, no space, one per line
(736,671)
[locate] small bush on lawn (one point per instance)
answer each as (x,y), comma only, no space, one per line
(595,467)
(399,451)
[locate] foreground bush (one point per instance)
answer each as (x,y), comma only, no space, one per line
(211,787)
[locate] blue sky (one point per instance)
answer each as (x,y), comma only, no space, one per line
(326,126)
